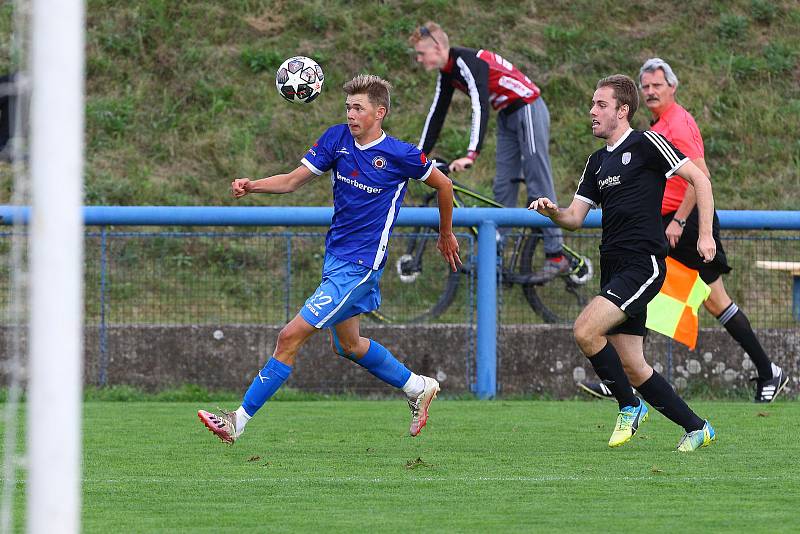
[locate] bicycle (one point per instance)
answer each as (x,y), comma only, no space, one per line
(517,262)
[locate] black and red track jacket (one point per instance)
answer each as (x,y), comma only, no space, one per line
(487,78)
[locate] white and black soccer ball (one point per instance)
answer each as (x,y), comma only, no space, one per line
(299,80)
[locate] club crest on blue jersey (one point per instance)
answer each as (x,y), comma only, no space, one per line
(626,158)
(379,162)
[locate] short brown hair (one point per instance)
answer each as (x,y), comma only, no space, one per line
(433,31)
(376,88)
(625,92)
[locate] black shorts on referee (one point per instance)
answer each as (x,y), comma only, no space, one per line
(631,282)
(686,250)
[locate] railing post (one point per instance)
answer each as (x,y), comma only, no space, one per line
(288,284)
(486,367)
(102,378)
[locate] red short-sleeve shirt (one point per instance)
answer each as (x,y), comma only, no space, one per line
(680,129)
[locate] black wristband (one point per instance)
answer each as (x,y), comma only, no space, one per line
(681,222)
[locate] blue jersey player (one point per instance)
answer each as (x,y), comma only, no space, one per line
(369,174)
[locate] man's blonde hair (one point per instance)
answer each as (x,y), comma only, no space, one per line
(434,32)
(376,88)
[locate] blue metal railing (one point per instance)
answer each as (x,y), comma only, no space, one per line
(320,216)
(485,219)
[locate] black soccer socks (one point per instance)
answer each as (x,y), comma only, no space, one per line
(660,395)
(738,326)
(608,367)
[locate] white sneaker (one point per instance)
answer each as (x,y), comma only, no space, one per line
(419,405)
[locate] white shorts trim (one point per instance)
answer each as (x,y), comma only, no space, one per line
(644,286)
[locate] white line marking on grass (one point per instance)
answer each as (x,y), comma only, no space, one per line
(339,480)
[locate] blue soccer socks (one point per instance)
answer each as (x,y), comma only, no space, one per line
(382,364)
(264,385)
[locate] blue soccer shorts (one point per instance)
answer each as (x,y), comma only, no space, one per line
(346,290)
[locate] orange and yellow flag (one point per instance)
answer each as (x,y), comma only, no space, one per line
(673,312)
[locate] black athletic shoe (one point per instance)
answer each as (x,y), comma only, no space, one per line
(768,390)
(596,389)
(599,390)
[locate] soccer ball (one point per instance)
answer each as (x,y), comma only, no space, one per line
(299,80)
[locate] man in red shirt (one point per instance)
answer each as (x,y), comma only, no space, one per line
(659,84)
(523,123)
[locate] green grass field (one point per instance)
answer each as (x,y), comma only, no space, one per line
(500,466)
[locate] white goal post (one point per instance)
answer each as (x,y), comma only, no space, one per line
(56,267)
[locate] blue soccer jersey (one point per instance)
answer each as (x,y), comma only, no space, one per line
(369,183)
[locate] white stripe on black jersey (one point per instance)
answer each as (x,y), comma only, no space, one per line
(436,96)
(667,150)
(474,96)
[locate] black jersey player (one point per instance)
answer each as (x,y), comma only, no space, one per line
(627,178)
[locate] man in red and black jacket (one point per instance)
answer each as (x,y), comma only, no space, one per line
(523,123)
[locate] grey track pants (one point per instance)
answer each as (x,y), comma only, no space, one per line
(522,152)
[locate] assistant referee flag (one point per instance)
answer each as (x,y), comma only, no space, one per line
(673,312)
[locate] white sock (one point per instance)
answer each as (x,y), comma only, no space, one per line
(241,420)
(414,386)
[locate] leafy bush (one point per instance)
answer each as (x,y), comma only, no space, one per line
(262,60)
(731,27)
(111,116)
(780,57)
(763,11)
(743,67)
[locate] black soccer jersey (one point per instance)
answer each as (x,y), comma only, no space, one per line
(627,181)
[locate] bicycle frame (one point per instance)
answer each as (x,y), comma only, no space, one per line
(517,263)
(461,189)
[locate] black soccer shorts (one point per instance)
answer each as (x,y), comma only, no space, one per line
(631,282)
(686,250)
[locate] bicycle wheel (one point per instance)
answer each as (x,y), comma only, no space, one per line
(559,300)
(417,285)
